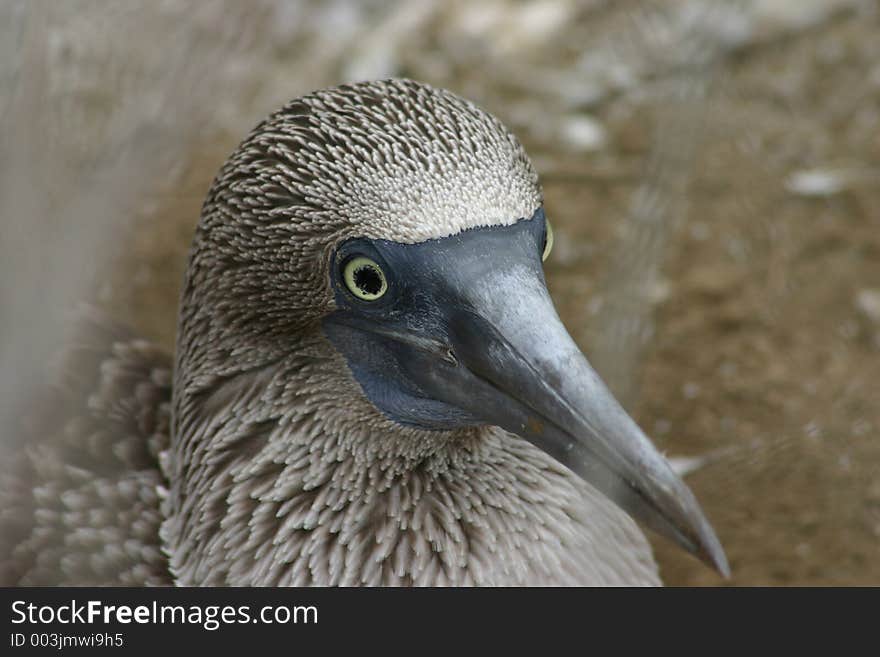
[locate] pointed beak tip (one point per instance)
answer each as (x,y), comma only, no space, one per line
(709,551)
(718,560)
(677,515)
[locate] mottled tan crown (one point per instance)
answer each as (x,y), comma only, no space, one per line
(394,159)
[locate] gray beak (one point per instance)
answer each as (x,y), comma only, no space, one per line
(467,334)
(535,382)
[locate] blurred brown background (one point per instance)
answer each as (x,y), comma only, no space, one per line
(711,169)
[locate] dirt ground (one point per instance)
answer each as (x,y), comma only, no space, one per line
(765,354)
(765,348)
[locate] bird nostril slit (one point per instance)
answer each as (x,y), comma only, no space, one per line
(450,358)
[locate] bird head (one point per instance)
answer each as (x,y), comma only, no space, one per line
(403,227)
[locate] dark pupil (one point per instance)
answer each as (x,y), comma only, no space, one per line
(368,279)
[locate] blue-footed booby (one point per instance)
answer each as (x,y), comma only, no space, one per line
(371,384)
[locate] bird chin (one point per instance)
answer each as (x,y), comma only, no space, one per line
(382,367)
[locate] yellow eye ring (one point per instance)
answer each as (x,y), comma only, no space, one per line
(364,278)
(548,241)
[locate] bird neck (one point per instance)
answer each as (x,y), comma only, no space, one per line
(285,474)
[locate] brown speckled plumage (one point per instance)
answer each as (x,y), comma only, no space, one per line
(80,501)
(280,471)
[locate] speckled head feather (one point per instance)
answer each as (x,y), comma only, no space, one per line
(281,471)
(396,160)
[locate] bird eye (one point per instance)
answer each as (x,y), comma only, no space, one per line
(548,241)
(364,278)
